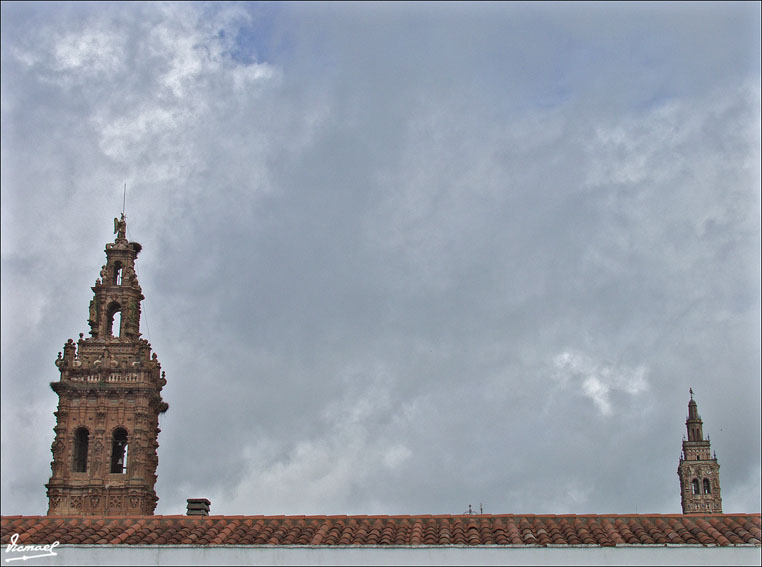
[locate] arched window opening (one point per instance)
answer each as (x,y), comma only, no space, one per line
(81,442)
(113,310)
(707,486)
(695,486)
(119,452)
(117,280)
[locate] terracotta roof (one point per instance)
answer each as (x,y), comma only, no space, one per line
(528,530)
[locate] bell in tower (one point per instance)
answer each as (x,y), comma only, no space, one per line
(109,401)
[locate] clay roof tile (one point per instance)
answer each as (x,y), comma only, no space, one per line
(709,530)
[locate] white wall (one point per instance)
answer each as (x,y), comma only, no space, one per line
(387,555)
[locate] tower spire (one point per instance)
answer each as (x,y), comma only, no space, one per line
(693,423)
(107,423)
(698,472)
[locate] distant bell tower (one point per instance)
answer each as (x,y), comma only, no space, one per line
(698,471)
(109,401)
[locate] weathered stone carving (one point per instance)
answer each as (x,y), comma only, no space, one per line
(57,449)
(114,503)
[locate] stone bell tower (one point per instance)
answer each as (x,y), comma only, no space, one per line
(109,401)
(698,471)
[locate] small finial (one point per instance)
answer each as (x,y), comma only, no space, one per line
(691,391)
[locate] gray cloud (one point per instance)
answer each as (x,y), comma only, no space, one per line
(397,258)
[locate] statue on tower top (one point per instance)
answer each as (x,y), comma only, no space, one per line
(120,228)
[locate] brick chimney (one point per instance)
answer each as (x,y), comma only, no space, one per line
(198,507)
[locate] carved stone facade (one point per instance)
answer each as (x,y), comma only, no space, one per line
(699,471)
(107,423)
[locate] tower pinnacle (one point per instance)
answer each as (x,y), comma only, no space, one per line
(107,423)
(699,473)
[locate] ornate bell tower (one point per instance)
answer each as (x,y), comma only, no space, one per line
(109,401)
(698,471)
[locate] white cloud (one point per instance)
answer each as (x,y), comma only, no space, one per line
(597,379)
(96,52)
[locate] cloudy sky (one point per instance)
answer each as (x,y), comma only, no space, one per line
(397,259)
